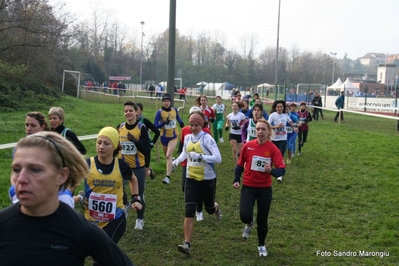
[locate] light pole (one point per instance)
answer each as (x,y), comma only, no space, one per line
(332,79)
(277,46)
(396,94)
(141,53)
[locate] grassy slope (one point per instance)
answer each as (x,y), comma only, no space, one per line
(341,194)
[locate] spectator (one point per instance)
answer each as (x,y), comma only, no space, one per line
(158,91)
(339,103)
(151,89)
(317,103)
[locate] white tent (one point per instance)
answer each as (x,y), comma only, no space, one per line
(265,85)
(347,85)
(202,83)
(336,85)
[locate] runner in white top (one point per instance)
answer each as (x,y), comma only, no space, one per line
(278,120)
(234,122)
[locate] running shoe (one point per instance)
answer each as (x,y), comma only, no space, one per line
(166,181)
(139,224)
(288,161)
(247,230)
(221,140)
(199,216)
(184,248)
(280,179)
(262,251)
(218,212)
(152,174)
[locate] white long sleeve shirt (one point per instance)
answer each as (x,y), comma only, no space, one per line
(204,144)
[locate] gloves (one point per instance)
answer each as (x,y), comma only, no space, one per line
(227,128)
(195,156)
(212,119)
(131,137)
(181,124)
(175,162)
(167,121)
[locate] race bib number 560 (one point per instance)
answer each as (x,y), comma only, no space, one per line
(102,207)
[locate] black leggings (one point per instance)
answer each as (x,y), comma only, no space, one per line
(200,201)
(115,231)
(195,189)
(263,198)
(281,145)
(302,137)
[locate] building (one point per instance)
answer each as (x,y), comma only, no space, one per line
(372,59)
(387,74)
(391,58)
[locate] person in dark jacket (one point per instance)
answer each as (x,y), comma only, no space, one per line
(339,103)
(317,103)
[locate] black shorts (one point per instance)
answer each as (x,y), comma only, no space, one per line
(235,137)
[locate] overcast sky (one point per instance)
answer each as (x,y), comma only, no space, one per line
(352,27)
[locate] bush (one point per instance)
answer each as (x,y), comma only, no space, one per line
(21,91)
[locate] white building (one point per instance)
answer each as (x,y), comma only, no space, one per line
(387,73)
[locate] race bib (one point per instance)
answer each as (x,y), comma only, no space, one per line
(252,132)
(219,110)
(289,129)
(172,124)
(258,163)
(197,162)
(280,131)
(102,207)
(129,148)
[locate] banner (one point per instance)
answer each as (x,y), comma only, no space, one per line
(118,78)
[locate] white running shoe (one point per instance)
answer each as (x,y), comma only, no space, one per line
(221,140)
(247,230)
(126,209)
(199,217)
(262,251)
(166,181)
(280,179)
(218,212)
(184,248)
(139,224)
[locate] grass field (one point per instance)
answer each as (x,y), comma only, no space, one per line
(340,197)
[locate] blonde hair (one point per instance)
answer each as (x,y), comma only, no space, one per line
(62,153)
(269,128)
(58,111)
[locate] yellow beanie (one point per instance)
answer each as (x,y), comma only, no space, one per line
(112,134)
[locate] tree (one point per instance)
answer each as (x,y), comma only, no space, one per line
(31,35)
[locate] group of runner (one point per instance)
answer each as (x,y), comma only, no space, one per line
(123,157)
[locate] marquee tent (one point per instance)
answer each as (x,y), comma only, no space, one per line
(347,85)
(336,85)
(265,85)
